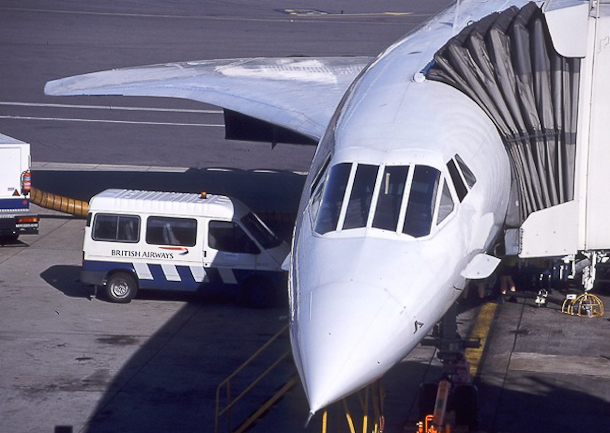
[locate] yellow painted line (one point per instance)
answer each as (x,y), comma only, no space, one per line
(480,331)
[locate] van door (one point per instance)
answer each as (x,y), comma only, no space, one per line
(228,246)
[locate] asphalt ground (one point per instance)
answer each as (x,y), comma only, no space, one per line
(69,359)
(153,365)
(42,41)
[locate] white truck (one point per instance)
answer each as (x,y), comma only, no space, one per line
(180,241)
(15,183)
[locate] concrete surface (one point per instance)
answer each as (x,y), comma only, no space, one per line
(68,359)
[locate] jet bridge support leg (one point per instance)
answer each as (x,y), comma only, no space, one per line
(586,304)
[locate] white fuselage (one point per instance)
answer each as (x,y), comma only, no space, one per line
(409,186)
(364,294)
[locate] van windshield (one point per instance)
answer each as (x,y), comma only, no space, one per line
(265,237)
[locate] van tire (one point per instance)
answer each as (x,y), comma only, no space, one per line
(257,292)
(121,288)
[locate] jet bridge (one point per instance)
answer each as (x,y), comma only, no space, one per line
(541,76)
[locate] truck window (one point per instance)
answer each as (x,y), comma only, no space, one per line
(171,231)
(229,237)
(116,228)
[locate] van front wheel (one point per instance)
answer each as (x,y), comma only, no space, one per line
(121,288)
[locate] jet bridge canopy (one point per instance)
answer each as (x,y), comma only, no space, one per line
(541,76)
(507,64)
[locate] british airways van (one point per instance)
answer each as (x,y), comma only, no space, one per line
(178,241)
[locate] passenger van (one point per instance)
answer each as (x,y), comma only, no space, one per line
(178,241)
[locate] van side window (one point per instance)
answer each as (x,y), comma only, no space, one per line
(171,231)
(116,228)
(229,237)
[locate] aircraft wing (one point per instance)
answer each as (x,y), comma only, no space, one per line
(297,93)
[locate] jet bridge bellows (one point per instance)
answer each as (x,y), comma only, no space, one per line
(507,64)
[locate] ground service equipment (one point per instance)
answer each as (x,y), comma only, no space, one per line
(180,241)
(15,184)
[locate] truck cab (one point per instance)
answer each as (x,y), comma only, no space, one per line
(15,183)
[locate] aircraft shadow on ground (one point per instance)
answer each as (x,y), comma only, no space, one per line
(65,278)
(268,193)
(550,405)
(175,390)
(169,383)
(274,195)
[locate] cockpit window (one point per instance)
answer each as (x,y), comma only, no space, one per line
(317,188)
(420,207)
(361,196)
(392,189)
(461,180)
(398,198)
(319,175)
(445,206)
(330,207)
(468,175)
(458,183)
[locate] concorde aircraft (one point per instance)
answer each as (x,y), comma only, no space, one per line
(463,129)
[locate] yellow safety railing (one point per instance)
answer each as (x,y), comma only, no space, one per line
(225,390)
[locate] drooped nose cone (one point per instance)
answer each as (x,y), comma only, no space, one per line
(342,338)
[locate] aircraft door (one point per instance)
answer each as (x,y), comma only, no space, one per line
(228,246)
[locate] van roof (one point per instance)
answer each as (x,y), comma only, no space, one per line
(167,203)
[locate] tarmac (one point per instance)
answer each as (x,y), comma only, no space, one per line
(72,360)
